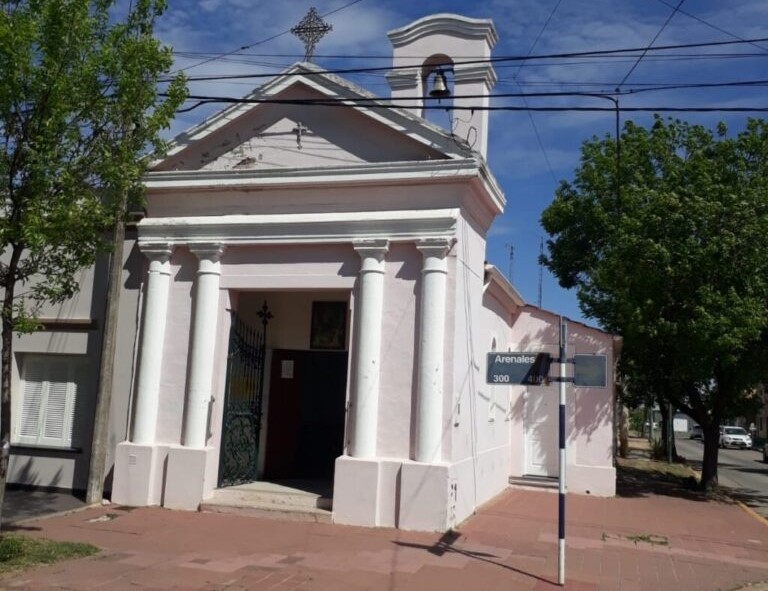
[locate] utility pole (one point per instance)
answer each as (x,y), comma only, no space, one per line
(95,491)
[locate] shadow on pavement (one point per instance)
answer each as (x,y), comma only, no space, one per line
(636,482)
(21,504)
(446,545)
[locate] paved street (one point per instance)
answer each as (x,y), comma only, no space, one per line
(742,470)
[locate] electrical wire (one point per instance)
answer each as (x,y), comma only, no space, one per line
(525,102)
(388,101)
(261,42)
(656,36)
(712,26)
(372,103)
(492,60)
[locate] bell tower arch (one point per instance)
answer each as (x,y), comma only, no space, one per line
(443,42)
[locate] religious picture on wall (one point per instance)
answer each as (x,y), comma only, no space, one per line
(329,325)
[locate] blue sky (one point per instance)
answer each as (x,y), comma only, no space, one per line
(529,153)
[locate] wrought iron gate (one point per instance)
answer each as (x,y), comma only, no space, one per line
(241,426)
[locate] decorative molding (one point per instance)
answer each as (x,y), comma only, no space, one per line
(375,249)
(157,251)
(435,247)
(322,228)
(359,173)
(403,79)
(445,24)
(474,73)
(208,251)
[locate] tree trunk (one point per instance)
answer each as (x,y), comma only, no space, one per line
(623,431)
(711,433)
(6,317)
(664,410)
(95,492)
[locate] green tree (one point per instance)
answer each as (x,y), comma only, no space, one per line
(80,118)
(670,253)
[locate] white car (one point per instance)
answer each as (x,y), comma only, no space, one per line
(735,437)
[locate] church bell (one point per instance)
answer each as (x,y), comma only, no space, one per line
(439,86)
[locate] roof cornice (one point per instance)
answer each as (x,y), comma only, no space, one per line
(454,24)
(427,170)
(494,280)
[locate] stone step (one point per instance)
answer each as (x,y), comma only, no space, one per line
(549,482)
(271,511)
(243,496)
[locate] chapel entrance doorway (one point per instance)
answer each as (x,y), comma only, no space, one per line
(306,414)
(243,400)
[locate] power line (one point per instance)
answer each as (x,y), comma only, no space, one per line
(712,26)
(366,100)
(525,102)
(656,36)
(493,60)
(376,104)
(261,42)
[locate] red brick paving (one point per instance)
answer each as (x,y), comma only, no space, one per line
(509,545)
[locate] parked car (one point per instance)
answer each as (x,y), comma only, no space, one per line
(735,437)
(695,432)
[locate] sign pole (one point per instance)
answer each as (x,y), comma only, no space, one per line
(561,475)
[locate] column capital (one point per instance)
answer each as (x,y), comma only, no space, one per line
(435,247)
(157,251)
(211,251)
(375,249)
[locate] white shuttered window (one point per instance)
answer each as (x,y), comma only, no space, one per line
(49,410)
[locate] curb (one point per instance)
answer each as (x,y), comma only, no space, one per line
(757,516)
(22,522)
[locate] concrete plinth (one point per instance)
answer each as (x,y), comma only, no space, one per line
(599,481)
(425,500)
(366,492)
(190,477)
(356,491)
(139,474)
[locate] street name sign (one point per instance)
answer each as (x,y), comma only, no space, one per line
(518,368)
(590,371)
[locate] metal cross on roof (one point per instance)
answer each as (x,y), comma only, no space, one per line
(310,30)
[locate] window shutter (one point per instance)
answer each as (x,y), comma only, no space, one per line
(50,409)
(32,402)
(54,425)
(76,419)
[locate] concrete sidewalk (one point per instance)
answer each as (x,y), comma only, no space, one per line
(652,542)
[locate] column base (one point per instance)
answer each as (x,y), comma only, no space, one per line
(366,491)
(190,477)
(139,474)
(425,499)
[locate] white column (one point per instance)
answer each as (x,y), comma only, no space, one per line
(429,385)
(365,402)
(152,338)
(201,356)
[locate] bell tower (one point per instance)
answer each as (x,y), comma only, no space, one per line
(431,46)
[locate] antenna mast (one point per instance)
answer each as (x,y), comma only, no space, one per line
(541,267)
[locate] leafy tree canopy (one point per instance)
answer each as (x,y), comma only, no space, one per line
(670,254)
(80,118)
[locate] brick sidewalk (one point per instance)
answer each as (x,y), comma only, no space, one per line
(648,542)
